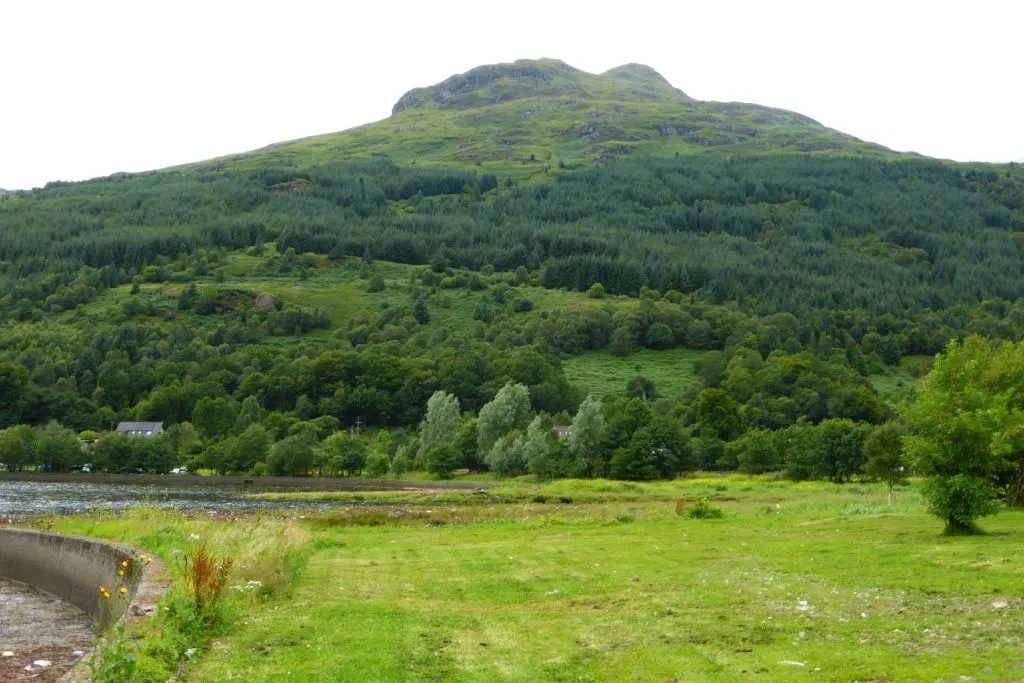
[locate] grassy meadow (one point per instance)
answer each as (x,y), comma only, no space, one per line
(672,371)
(605,581)
(340,289)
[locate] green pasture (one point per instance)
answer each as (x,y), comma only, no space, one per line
(672,371)
(604,581)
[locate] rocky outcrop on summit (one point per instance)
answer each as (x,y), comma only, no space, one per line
(496,83)
(493,83)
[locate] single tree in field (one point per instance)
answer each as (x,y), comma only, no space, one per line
(967,430)
(642,388)
(883,449)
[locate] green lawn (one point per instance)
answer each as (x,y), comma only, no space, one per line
(603,581)
(672,371)
(797,581)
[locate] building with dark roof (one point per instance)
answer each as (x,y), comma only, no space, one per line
(141,428)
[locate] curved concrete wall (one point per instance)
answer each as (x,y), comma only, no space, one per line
(68,567)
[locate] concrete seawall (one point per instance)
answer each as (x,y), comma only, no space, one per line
(69,568)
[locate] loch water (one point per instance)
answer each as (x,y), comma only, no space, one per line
(68,498)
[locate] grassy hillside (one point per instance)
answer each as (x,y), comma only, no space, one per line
(342,290)
(518,119)
(350,277)
(672,371)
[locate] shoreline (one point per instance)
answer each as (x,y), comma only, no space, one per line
(261,482)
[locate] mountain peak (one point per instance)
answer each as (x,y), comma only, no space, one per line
(526,78)
(490,84)
(637,71)
(547,113)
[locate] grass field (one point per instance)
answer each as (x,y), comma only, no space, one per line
(896,384)
(797,581)
(340,291)
(672,371)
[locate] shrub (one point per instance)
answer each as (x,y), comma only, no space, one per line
(205,576)
(441,461)
(377,465)
(701,509)
(399,466)
(960,500)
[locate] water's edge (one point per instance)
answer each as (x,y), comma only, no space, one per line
(70,494)
(262,482)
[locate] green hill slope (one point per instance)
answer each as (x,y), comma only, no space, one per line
(533,113)
(344,279)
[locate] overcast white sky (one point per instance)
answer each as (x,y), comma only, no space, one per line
(91,88)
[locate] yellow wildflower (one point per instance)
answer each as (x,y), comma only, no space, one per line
(124,563)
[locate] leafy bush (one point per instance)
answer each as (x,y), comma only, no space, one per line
(701,509)
(960,500)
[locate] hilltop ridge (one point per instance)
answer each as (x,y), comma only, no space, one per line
(495,83)
(508,117)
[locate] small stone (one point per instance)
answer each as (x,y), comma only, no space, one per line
(42,663)
(789,662)
(6,653)
(78,653)
(1000,604)
(137,610)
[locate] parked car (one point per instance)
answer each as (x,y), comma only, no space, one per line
(179,470)
(87,467)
